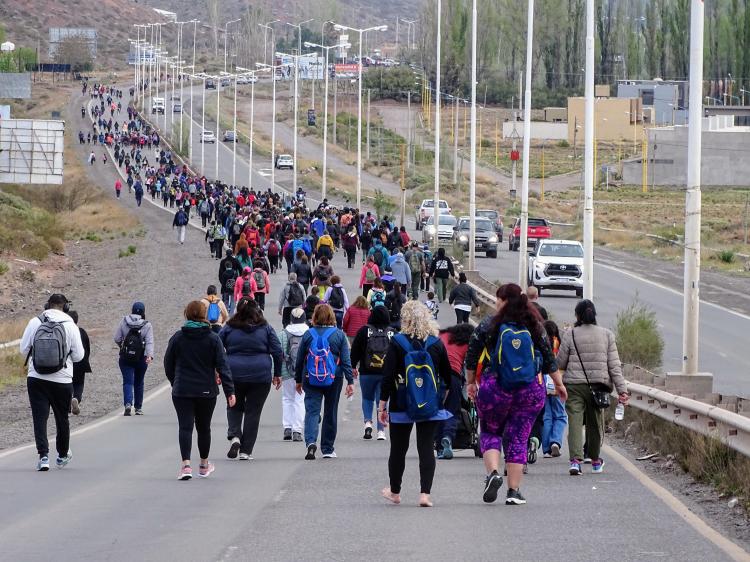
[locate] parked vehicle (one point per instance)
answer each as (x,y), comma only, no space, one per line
(425,211)
(247,79)
(538,229)
(284,161)
(497,221)
(229,136)
(225,82)
(557,265)
(210,84)
(446,225)
(485,238)
(208,137)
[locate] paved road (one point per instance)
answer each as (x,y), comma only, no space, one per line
(722,329)
(119,498)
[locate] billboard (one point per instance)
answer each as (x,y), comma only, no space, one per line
(31,151)
(346,69)
(311,67)
(59,34)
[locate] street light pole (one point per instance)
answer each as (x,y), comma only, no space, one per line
(690,328)
(203,126)
(234,127)
(436,198)
(473,167)
(361,32)
(218,120)
(273,70)
(523,257)
(226,25)
(588,198)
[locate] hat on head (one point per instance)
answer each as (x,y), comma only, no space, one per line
(247,270)
(298,316)
(138,308)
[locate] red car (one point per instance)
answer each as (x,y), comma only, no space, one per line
(538,230)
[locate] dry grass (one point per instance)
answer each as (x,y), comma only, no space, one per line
(12,370)
(11,329)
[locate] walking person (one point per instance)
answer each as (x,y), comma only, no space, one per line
(337,298)
(350,244)
(440,270)
(418,357)
(588,355)
(51,344)
(357,315)
(369,349)
(370,272)
(180,221)
(216,311)
(292,296)
(254,356)
(80,368)
(262,285)
(135,338)
(323,362)
(292,403)
(512,391)
(462,297)
(415,258)
(118,187)
(193,358)
(555,418)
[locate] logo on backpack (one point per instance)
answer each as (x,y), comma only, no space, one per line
(321,364)
(214,312)
(515,361)
(420,392)
(377,347)
(49,347)
(133,348)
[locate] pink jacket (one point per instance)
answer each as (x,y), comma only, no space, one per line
(240,282)
(363,277)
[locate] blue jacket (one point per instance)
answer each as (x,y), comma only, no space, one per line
(339,347)
(253,352)
(401,270)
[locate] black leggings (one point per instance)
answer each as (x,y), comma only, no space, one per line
(194,412)
(400,434)
(250,400)
(462,316)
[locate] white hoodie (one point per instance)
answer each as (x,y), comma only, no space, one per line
(75,346)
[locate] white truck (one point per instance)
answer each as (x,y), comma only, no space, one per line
(157,105)
(557,265)
(427,209)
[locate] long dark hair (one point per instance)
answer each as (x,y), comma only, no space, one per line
(585,313)
(517,310)
(459,334)
(248,314)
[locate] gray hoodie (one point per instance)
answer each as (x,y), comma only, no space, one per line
(401,270)
(135,321)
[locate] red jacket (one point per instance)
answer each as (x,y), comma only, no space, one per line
(354,319)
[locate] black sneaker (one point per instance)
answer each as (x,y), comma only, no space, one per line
(514,497)
(128,409)
(310,456)
(234,448)
(297,437)
(288,434)
(491,486)
(368,432)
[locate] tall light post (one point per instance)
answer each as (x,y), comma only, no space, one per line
(253,78)
(523,257)
(588,196)
(339,27)
(190,111)
(409,32)
(436,198)
(266,28)
(298,26)
(273,69)
(203,122)
(690,327)
(218,122)
(325,110)
(226,25)
(473,168)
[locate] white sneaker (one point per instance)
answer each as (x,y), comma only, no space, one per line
(245,457)
(381,435)
(330,455)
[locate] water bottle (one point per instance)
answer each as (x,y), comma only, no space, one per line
(620,411)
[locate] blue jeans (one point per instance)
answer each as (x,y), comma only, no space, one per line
(555,420)
(370,385)
(132,382)
(314,397)
(447,428)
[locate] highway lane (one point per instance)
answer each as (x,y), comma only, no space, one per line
(615,288)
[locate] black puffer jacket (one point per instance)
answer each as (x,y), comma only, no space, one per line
(191,361)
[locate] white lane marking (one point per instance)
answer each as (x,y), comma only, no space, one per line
(265,172)
(279,495)
(671,290)
(730,549)
(94,425)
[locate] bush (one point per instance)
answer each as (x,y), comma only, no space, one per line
(727,256)
(639,341)
(563,144)
(129,251)
(4,267)
(383,204)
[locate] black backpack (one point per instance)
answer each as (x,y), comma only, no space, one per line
(377,346)
(229,276)
(133,347)
(296,295)
(378,256)
(336,298)
(246,286)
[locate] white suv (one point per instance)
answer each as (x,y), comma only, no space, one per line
(208,136)
(426,210)
(557,265)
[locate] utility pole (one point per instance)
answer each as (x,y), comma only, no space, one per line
(403,184)
(408,134)
(690,328)
(588,198)
(523,257)
(367,154)
(436,199)
(455,141)
(473,168)
(335,108)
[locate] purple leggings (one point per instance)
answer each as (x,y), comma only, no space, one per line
(506,417)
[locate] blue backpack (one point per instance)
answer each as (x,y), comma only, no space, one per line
(515,360)
(421,389)
(321,364)
(214,312)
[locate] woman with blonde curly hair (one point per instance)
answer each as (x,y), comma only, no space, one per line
(418,334)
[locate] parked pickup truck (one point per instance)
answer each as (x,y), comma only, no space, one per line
(539,229)
(557,265)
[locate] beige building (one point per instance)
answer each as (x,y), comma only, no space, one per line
(616,119)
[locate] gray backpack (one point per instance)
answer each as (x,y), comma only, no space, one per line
(49,348)
(291,355)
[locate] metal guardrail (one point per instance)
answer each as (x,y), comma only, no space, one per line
(712,421)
